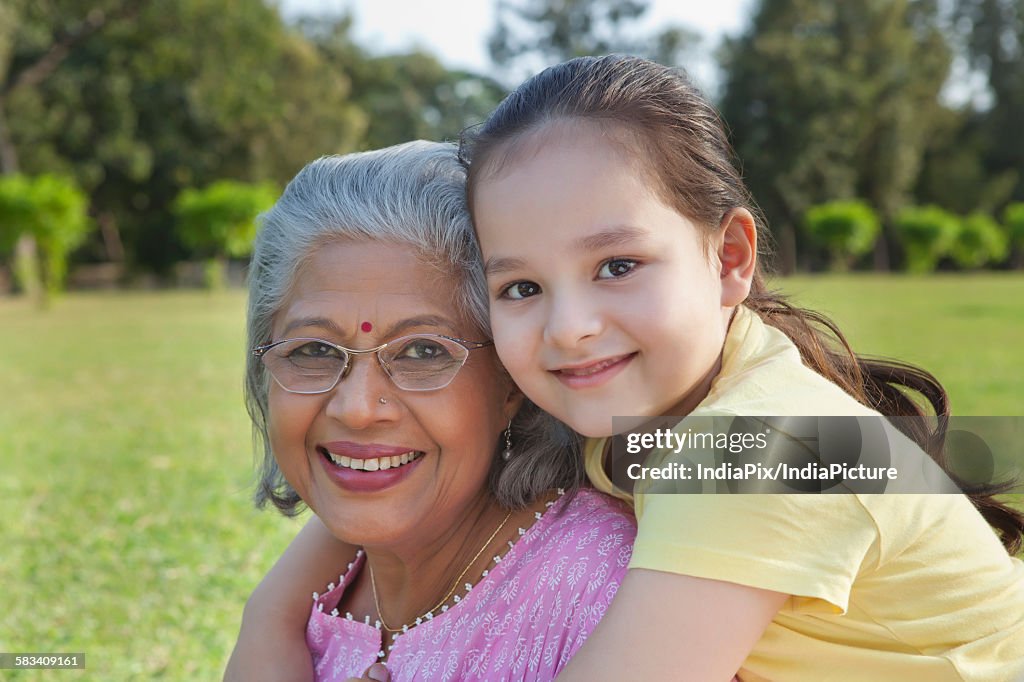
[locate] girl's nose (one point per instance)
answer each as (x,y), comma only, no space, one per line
(572,320)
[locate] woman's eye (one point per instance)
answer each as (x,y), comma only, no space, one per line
(315,350)
(423,350)
(616,267)
(520,290)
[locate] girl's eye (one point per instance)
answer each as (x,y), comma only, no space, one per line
(520,290)
(616,267)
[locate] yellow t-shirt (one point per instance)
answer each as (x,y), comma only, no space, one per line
(884,587)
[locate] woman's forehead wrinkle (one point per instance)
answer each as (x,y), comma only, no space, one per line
(389,314)
(321,322)
(388,288)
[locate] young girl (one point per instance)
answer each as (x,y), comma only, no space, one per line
(620,251)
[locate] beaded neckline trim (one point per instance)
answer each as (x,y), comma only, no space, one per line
(428,616)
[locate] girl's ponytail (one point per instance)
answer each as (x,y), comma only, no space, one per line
(883,385)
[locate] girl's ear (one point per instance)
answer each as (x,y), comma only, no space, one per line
(737,252)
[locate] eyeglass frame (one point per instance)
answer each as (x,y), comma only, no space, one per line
(261,351)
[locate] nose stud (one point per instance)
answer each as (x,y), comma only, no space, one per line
(382,400)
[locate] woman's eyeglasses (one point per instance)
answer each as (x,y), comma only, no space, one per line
(421,362)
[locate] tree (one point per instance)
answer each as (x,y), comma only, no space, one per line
(992,38)
(219,222)
(179,95)
(831,101)
(409,96)
(414,96)
(531,34)
(50,209)
(35,39)
(955,174)
(848,230)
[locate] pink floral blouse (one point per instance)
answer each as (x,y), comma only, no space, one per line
(522,621)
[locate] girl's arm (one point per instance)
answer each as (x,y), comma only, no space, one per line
(674,627)
(272,642)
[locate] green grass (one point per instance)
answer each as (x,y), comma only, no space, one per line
(125,466)
(126,462)
(968,330)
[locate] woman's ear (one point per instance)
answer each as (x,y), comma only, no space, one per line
(513,401)
(737,253)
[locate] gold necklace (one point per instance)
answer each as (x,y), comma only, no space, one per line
(455,585)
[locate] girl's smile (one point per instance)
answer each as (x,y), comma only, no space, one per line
(592,374)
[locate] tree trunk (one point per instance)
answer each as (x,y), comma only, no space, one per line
(787,249)
(26,256)
(8,154)
(882,261)
(111,237)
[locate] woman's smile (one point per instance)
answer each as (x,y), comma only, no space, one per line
(368,474)
(373,463)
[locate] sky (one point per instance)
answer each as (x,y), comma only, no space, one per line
(456,30)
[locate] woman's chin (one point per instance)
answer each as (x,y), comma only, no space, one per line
(372,531)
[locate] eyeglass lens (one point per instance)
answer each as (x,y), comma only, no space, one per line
(414,363)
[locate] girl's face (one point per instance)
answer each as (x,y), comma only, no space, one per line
(603,302)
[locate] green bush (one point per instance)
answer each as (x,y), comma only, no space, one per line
(848,229)
(219,222)
(54,212)
(1013,218)
(1013,221)
(979,242)
(928,233)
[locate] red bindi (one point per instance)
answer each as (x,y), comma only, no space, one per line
(366,327)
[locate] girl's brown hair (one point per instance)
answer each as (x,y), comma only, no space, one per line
(680,138)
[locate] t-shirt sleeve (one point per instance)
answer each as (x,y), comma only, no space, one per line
(808,546)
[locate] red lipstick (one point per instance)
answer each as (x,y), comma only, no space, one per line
(367,467)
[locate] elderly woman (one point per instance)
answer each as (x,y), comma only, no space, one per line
(382,407)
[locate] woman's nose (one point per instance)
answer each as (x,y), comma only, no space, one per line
(356,400)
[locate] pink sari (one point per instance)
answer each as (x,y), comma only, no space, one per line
(522,621)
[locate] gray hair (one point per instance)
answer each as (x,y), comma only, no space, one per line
(412,194)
